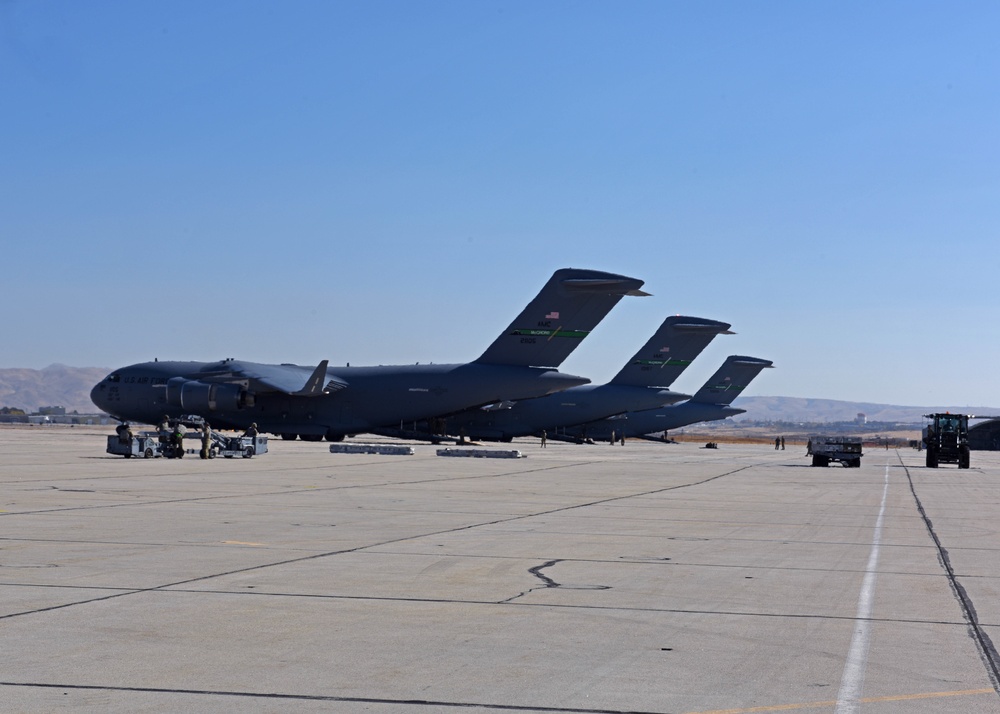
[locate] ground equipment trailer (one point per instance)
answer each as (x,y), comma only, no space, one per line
(245,446)
(845,449)
(946,438)
(146,444)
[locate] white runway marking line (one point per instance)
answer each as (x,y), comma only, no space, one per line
(853,680)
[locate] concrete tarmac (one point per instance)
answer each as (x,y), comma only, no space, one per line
(644,578)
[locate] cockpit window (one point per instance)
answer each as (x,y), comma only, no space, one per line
(114,377)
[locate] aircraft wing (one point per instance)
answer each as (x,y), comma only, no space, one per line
(287,378)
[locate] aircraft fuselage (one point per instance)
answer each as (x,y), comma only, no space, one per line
(572,406)
(364,397)
(638,423)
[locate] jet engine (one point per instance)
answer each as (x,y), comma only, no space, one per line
(200,397)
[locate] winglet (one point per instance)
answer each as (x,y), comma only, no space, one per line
(314,385)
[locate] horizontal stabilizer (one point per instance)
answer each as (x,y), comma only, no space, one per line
(570,305)
(669,351)
(731,379)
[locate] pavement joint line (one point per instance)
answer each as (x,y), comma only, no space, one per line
(509,601)
(987,650)
(289,492)
(332,698)
(479,705)
(317,556)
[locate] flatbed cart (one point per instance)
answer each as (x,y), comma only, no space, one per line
(843,449)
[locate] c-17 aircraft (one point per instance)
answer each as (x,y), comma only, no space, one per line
(643,383)
(709,403)
(292,400)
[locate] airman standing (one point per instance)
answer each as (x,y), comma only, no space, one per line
(206,440)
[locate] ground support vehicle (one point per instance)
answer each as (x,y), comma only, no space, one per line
(946,438)
(146,444)
(244,446)
(845,449)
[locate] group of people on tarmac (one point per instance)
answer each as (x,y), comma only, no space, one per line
(171,436)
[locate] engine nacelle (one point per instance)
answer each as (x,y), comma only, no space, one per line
(201,397)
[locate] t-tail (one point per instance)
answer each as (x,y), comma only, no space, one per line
(730,380)
(669,351)
(570,305)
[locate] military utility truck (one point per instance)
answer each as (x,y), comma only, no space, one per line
(844,449)
(946,438)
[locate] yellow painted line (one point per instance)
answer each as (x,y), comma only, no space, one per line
(833,703)
(239,542)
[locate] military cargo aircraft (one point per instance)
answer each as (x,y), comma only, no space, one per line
(641,384)
(709,403)
(331,402)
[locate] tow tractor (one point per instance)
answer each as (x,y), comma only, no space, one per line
(145,444)
(946,439)
(244,446)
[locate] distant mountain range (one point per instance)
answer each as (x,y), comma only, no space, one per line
(795,409)
(55,386)
(61,386)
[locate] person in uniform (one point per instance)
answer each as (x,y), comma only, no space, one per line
(206,440)
(124,433)
(251,430)
(179,440)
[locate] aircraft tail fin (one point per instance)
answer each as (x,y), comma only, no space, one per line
(669,351)
(730,380)
(570,305)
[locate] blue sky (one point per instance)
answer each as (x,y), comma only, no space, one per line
(390,182)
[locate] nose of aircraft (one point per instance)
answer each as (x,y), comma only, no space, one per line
(97,395)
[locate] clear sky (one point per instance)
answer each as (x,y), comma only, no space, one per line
(391,182)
